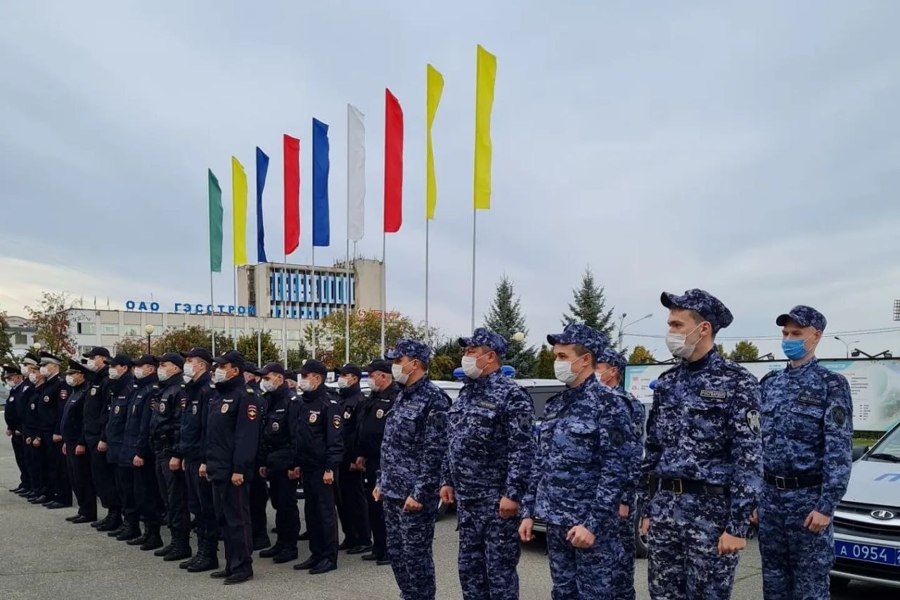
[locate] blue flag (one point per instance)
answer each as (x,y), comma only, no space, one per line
(321,228)
(262,167)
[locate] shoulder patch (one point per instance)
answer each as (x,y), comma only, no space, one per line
(839,415)
(252,411)
(753,421)
(336,421)
(616,438)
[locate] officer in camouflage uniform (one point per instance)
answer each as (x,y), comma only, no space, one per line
(807,429)
(610,371)
(411,455)
(486,468)
(579,473)
(703,445)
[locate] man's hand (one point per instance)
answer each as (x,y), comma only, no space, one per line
(361,462)
(447,494)
(9,432)
(526,530)
(754,518)
(237,479)
(376,493)
(816,521)
(264,472)
(729,544)
(80,450)
(328,478)
(174,464)
(137,461)
(101,446)
(645,526)
(294,473)
(57,438)
(624,510)
(64,450)
(37,442)
(580,537)
(202,471)
(28,441)
(411,505)
(508,508)
(355,468)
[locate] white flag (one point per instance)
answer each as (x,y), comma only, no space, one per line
(356,173)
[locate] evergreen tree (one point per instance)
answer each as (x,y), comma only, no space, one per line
(505,317)
(544,366)
(589,306)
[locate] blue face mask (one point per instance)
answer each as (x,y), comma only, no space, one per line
(793,349)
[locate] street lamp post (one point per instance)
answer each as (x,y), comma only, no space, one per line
(846,345)
(622,327)
(149,330)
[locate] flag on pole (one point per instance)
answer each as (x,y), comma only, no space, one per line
(215,223)
(433,98)
(239,207)
(393,163)
(291,194)
(484,102)
(356,173)
(321,166)
(262,168)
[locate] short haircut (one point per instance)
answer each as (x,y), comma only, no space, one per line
(581,350)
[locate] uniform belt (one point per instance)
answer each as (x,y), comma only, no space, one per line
(793,482)
(692,486)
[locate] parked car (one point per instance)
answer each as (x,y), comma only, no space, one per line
(867,520)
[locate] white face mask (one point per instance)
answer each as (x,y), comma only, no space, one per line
(33,378)
(162,374)
(469,367)
(343,383)
(563,371)
(90,366)
(399,376)
(219,376)
(265,386)
(114,373)
(23,371)
(70,380)
(188,370)
(139,373)
(678,345)
(305,385)
(45,371)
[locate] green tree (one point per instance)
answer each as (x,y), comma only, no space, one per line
(249,345)
(589,306)
(720,348)
(51,321)
(297,356)
(641,356)
(544,364)
(176,340)
(365,335)
(744,350)
(6,353)
(505,317)
(447,357)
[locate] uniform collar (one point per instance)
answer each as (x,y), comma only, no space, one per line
(708,359)
(353,390)
(201,381)
(804,367)
(487,379)
(281,392)
(231,384)
(417,385)
(315,394)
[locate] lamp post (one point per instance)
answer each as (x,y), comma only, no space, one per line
(622,327)
(149,330)
(846,345)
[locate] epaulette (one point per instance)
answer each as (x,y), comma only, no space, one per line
(669,370)
(183,386)
(767,375)
(155,386)
(250,390)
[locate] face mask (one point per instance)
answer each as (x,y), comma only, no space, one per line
(342,383)
(265,386)
(90,366)
(188,370)
(794,349)
(139,373)
(305,385)
(70,380)
(162,374)
(23,371)
(469,367)
(45,371)
(33,378)
(399,376)
(678,345)
(113,374)
(219,376)
(563,371)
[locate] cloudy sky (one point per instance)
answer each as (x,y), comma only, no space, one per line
(753,151)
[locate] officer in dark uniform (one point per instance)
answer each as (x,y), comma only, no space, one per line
(352,507)
(14,414)
(372,416)
(74,446)
(112,442)
(259,492)
(319,451)
(53,395)
(137,448)
(96,415)
(165,434)
(276,457)
(232,440)
(40,478)
(188,456)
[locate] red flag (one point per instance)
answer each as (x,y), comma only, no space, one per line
(393,163)
(291,194)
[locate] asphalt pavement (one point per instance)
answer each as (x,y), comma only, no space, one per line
(43,556)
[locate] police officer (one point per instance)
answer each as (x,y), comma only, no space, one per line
(319,450)
(164,432)
(112,443)
(136,449)
(411,457)
(187,456)
(232,440)
(53,395)
(74,446)
(580,471)
(276,457)
(372,416)
(352,507)
(486,468)
(807,429)
(40,477)
(96,415)
(14,413)
(610,371)
(259,491)
(703,445)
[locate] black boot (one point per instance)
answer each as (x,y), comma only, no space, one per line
(141,539)
(114,521)
(187,563)
(181,550)
(153,540)
(261,542)
(130,530)
(273,551)
(165,549)
(103,521)
(208,562)
(287,554)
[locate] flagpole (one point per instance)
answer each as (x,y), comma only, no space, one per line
(234,314)
(383,287)
(212,314)
(315,297)
(427,221)
(284,340)
(347,250)
(474,237)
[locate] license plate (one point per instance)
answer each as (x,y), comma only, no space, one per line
(867,552)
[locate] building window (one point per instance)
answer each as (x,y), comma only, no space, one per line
(20,339)
(110,329)
(293,335)
(86,328)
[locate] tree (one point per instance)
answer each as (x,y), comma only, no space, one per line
(544,363)
(6,353)
(505,318)
(51,321)
(745,350)
(365,335)
(177,340)
(641,356)
(590,306)
(720,348)
(250,343)
(447,357)
(297,356)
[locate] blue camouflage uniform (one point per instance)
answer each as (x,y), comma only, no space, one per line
(807,429)
(703,445)
(415,436)
(488,457)
(624,584)
(578,477)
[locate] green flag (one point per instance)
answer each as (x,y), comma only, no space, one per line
(215,224)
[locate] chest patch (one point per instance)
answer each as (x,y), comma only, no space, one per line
(811,400)
(224,408)
(275,426)
(93,391)
(488,405)
(46,398)
(347,414)
(713,394)
(251,412)
(31,406)
(162,407)
(194,409)
(117,409)
(63,394)
(379,414)
(313,417)
(336,421)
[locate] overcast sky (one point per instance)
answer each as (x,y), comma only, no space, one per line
(753,151)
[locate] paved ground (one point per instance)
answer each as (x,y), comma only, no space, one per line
(43,556)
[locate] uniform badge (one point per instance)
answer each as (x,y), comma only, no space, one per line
(194,409)
(251,412)
(379,413)
(93,391)
(753,421)
(183,404)
(117,409)
(224,408)
(32,406)
(713,394)
(336,421)
(162,407)
(46,398)
(63,394)
(616,438)
(313,417)
(839,415)
(347,414)
(275,426)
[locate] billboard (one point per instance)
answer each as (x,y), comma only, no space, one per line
(874,385)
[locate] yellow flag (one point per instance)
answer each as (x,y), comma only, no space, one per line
(484,103)
(239,221)
(435,89)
